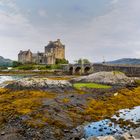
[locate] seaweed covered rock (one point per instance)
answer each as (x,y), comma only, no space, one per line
(110,78)
(38,83)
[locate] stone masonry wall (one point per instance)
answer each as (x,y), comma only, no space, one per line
(129,70)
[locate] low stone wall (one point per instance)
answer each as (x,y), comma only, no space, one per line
(129,70)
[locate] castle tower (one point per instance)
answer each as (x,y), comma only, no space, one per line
(56,49)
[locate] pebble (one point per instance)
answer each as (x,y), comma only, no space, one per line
(116,94)
(2,133)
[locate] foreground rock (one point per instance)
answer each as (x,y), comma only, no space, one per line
(126,136)
(38,83)
(132,135)
(111,78)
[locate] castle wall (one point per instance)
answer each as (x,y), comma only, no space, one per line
(25,57)
(59,53)
(51,60)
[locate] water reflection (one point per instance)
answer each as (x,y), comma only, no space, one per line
(110,127)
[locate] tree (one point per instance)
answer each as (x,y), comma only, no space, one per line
(16,64)
(61,61)
(84,61)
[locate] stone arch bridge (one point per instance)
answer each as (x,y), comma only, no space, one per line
(129,70)
(79,69)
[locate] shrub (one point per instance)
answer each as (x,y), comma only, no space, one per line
(43,67)
(84,61)
(61,61)
(3,68)
(54,66)
(16,64)
(26,67)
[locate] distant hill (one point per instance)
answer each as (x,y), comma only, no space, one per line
(133,61)
(5,62)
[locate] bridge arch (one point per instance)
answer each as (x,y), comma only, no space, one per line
(87,70)
(71,70)
(78,70)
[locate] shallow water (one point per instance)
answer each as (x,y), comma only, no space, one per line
(9,78)
(107,127)
(129,114)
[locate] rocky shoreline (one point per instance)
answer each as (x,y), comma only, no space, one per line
(132,135)
(108,78)
(38,83)
(42,108)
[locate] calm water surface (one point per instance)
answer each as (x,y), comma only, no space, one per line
(107,127)
(9,78)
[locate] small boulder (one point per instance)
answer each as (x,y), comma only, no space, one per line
(107,138)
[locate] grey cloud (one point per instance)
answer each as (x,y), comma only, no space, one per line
(114,34)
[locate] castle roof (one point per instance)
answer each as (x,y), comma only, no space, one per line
(53,44)
(24,52)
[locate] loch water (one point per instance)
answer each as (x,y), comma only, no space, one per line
(108,127)
(9,78)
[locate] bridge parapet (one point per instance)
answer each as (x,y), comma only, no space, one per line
(129,70)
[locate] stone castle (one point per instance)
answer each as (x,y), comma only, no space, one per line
(53,51)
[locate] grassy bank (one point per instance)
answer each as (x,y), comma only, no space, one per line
(90,85)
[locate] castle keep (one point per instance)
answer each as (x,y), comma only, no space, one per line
(53,51)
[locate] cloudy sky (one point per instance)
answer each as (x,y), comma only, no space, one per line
(90,29)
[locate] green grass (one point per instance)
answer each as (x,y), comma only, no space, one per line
(90,85)
(137,82)
(117,72)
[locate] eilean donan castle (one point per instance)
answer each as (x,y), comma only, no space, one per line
(53,51)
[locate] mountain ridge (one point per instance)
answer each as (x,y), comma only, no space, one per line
(134,61)
(5,62)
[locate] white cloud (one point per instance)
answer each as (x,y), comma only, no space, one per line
(43,13)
